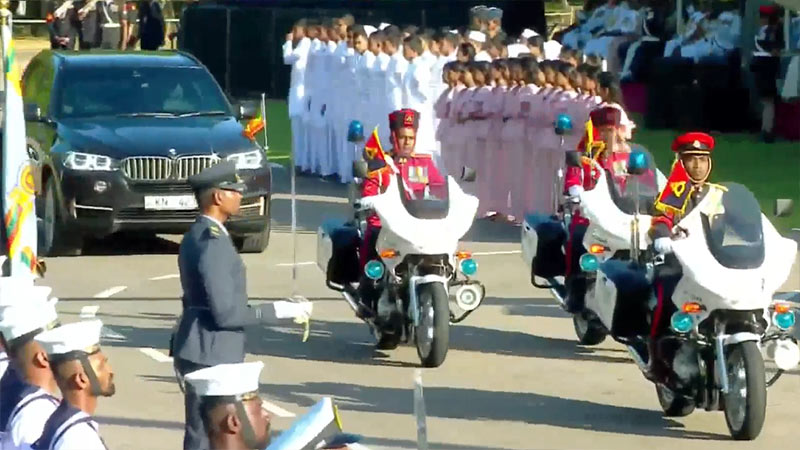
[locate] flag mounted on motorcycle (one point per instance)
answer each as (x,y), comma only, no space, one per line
(675,196)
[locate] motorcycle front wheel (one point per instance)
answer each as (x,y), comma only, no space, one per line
(432,336)
(746,400)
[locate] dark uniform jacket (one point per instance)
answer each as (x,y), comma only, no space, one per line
(215,309)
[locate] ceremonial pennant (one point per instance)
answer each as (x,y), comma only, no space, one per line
(675,196)
(18,185)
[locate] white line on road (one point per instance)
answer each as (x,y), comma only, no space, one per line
(89,311)
(304,263)
(275,409)
(155,354)
(164,277)
(505,252)
(110,291)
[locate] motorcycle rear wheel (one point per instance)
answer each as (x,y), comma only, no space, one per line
(432,336)
(746,400)
(588,330)
(673,405)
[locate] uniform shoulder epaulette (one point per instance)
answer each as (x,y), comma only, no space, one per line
(718,186)
(214,231)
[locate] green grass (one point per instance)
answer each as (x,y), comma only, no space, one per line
(770,171)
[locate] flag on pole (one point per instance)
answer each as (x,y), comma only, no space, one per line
(373,150)
(254,126)
(675,196)
(18,187)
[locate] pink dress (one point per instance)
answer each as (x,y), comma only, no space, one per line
(513,139)
(479,113)
(534,195)
(460,131)
(496,164)
(551,151)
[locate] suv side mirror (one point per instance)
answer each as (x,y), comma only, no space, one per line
(573,158)
(783,207)
(247,110)
(33,113)
(468,174)
(360,169)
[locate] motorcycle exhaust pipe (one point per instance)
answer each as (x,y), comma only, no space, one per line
(351,301)
(637,359)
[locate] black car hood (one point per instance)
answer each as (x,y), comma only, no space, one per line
(150,136)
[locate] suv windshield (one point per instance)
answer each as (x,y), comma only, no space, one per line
(111,91)
(733,228)
(625,188)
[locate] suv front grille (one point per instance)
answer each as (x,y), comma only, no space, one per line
(159,168)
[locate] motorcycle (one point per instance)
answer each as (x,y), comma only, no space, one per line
(608,206)
(731,261)
(418,265)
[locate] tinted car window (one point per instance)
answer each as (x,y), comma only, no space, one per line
(102,91)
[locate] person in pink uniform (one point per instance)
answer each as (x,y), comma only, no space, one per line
(460,113)
(478,126)
(513,135)
(534,195)
(610,93)
(443,109)
(495,162)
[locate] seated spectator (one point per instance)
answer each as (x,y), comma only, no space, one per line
(622,25)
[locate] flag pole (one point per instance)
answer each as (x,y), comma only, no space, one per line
(5,269)
(264,118)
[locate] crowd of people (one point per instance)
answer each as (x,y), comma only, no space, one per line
(485,100)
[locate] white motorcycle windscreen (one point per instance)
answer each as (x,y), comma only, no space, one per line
(598,206)
(427,236)
(736,288)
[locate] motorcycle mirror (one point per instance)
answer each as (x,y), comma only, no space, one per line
(637,163)
(360,169)
(468,175)
(783,207)
(573,158)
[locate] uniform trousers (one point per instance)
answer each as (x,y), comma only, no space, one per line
(195,434)
(298,140)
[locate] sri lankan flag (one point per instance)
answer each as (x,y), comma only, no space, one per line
(254,126)
(675,196)
(18,187)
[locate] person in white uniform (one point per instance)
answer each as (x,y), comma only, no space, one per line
(380,84)
(364,82)
(295,54)
(330,166)
(315,85)
(622,21)
(478,39)
(395,70)
(578,37)
(35,398)
(83,374)
(417,87)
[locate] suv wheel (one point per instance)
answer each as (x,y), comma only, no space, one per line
(55,239)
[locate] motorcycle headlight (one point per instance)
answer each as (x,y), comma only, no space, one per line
(88,161)
(247,160)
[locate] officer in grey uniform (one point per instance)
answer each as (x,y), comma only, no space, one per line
(86,14)
(109,14)
(215,310)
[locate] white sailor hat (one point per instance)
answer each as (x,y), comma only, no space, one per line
(370,29)
(476,36)
(72,337)
(36,312)
(383,25)
(453,31)
(14,288)
(514,50)
(226,380)
(528,33)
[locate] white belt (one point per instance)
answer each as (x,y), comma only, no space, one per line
(761,54)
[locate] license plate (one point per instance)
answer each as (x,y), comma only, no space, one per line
(170,202)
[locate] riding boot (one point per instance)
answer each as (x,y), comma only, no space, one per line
(576,294)
(656,371)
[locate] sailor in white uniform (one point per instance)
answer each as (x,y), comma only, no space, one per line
(34,400)
(478,39)
(417,87)
(364,83)
(578,37)
(621,21)
(295,54)
(395,71)
(83,374)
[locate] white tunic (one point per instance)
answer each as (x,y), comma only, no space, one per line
(27,420)
(417,88)
(297,57)
(364,83)
(398,66)
(83,436)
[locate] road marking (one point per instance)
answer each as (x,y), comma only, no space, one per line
(155,354)
(110,291)
(89,311)
(108,333)
(275,409)
(506,252)
(164,277)
(304,263)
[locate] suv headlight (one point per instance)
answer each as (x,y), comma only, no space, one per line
(88,161)
(247,160)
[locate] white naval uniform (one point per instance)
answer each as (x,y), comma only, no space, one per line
(483,56)
(331,165)
(417,90)
(578,37)
(349,111)
(315,74)
(622,20)
(297,57)
(398,66)
(381,98)
(27,420)
(364,83)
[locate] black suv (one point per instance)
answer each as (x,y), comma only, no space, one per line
(114,136)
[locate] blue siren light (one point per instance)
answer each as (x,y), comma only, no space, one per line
(469,267)
(374,270)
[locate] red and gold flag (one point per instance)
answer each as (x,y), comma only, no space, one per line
(675,196)
(253,127)
(373,151)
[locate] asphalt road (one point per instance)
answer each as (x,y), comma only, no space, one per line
(513,379)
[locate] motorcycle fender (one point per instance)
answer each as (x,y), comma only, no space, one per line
(740,337)
(413,302)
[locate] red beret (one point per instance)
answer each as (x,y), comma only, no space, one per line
(607,116)
(767,10)
(403,118)
(693,142)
